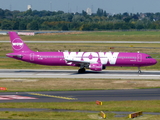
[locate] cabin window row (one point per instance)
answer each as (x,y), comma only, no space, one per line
(51,56)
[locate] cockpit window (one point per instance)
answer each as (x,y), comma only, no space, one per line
(148,57)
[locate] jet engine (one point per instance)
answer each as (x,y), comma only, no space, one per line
(96,67)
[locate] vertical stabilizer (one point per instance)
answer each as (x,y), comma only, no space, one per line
(17,43)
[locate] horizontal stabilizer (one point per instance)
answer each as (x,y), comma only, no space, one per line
(14,55)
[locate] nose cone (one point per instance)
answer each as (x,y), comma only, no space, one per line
(153,61)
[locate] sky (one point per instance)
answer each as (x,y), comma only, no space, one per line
(111,6)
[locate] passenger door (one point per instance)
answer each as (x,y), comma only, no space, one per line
(139,57)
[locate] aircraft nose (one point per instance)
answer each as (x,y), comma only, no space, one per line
(154,61)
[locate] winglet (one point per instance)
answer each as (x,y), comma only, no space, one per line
(17,43)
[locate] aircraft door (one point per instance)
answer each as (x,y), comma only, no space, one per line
(139,57)
(32,57)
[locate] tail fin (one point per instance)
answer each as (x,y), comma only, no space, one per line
(17,43)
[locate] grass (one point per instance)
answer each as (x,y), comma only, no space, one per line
(94,36)
(145,106)
(66,116)
(54,84)
(44,115)
(130,106)
(145,48)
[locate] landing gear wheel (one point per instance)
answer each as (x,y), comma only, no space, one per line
(82,70)
(139,70)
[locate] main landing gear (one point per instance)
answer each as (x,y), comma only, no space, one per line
(139,70)
(81,70)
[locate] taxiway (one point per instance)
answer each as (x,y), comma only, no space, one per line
(82,96)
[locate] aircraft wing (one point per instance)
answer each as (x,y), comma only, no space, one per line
(78,62)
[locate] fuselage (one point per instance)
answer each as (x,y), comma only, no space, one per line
(104,58)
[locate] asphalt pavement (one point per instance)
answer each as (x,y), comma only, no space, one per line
(105,74)
(82,96)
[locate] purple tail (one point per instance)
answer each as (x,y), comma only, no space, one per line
(17,43)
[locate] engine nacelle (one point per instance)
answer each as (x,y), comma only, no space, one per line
(96,67)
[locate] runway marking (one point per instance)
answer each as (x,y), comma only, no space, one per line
(12,97)
(53,96)
(50,74)
(150,75)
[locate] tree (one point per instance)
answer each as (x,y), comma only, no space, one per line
(64,27)
(22,25)
(58,20)
(127,19)
(28,12)
(33,25)
(1,13)
(16,25)
(126,14)
(6,25)
(84,13)
(105,13)
(8,13)
(100,12)
(44,26)
(78,18)
(0,24)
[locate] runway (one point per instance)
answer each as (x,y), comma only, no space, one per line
(107,74)
(82,96)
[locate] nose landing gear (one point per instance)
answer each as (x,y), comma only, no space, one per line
(139,70)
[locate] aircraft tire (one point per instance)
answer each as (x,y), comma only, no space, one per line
(82,70)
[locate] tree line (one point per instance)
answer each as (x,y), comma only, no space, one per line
(59,20)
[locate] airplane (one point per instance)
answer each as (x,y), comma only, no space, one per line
(95,61)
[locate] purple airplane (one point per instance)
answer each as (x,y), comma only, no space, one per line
(95,61)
